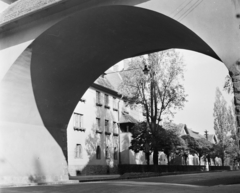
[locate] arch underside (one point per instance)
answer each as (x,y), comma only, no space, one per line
(68,57)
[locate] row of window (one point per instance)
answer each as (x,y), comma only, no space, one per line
(78,123)
(106,125)
(79,152)
(107,153)
(106,100)
(78,118)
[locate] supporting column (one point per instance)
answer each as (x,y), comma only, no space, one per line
(30,153)
(234,72)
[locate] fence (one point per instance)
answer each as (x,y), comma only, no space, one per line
(214,168)
(158,169)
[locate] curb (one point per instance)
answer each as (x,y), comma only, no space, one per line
(40,184)
(149,176)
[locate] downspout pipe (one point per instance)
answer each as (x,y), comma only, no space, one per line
(120,161)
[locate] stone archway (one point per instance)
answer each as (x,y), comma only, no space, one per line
(69,56)
(64,60)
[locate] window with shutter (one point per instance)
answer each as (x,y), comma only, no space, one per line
(78,122)
(98,99)
(106,101)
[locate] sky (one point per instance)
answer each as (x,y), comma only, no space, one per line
(202,76)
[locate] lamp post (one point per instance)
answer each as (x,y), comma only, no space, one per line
(206,134)
(186,154)
(145,70)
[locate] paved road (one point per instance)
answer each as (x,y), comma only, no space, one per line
(203,179)
(220,182)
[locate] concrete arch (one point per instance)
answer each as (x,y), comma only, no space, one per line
(69,56)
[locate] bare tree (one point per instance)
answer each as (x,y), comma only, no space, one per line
(160,93)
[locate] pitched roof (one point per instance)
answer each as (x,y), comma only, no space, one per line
(125,118)
(184,130)
(104,82)
(180,128)
(110,81)
(194,134)
(115,79)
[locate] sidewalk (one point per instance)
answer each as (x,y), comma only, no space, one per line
(72,180)
(91,178)
(95,177)
(131,176)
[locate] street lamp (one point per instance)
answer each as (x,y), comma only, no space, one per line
(145,71)
(206,134)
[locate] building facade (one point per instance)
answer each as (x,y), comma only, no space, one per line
(98,132)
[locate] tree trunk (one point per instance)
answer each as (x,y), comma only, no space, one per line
(222,159)
(155,157)
(209,160)
(199,159)
(147,154)
(185,159)
(168,159)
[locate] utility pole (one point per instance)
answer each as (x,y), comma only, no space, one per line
(206,134)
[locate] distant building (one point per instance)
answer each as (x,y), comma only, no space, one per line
(182,129)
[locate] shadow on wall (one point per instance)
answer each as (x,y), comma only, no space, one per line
(125,143)
(101,136)
(38,176)
(97,164)
(97,136)
(96,139)
(128,156)
(91,142)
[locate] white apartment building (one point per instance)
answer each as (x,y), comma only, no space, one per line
(99,130)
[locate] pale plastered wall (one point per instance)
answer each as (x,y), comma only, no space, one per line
(89,139)
(28,153)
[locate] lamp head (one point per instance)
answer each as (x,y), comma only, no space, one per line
(145,70)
